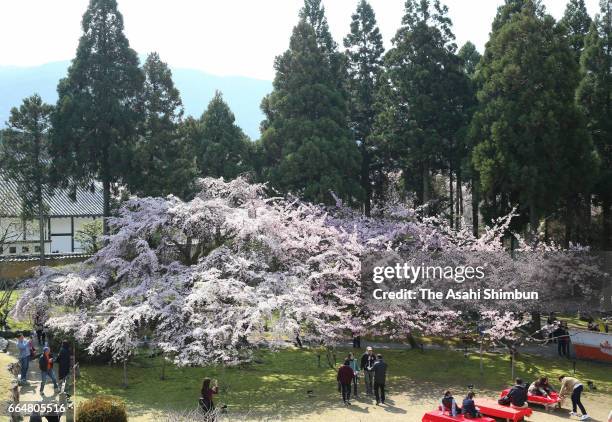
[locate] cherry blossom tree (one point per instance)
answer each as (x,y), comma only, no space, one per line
(212,279)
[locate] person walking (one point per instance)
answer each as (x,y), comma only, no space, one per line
(39,328)
(356,341)
(367,362)
(345,377)
(24,358)
(355,367)
(206,396)
(63,360)
(45,364)
(380,377)
(572,387)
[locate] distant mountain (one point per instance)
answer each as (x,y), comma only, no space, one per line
(197,88)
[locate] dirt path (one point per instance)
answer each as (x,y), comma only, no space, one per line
(404,408)
(31,391)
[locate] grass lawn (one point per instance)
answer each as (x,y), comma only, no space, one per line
(5,376)
(279,384)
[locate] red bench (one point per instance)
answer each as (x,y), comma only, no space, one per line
(549,403)
(490,407)
(439,416)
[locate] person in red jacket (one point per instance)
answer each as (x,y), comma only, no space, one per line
(345,377)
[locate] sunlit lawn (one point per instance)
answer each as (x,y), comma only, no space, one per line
(5,376)
(279,384)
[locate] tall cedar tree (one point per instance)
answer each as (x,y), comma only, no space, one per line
(162,158)
(595,97)
(222,149)
(533,151)
(97,115)
(305,136)
(313,13)
(470,57)
(576,23)
(424,101)
(364,50)
(24,158)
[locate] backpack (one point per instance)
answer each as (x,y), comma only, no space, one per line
(42,363)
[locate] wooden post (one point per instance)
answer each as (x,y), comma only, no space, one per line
(481,363)
(125,377)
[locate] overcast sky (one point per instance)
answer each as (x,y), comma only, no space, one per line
(223,37)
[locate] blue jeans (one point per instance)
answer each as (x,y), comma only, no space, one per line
(44,375)
(24,363)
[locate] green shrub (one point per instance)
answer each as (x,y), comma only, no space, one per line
(102,409)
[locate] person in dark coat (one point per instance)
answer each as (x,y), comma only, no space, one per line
(380,378)
(562,336)
(518,394)
(367,363)
(345,378)
(45,364)
(206,396)
(63,359)
(468,407)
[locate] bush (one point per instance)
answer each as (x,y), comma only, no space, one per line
(102,409)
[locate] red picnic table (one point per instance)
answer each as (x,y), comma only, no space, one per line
(440,416)
(549,403)
(490,407)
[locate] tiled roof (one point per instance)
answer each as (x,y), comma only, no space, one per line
(87,203)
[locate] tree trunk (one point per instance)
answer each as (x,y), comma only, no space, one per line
(607,224)
(41,234)
(125,376)
(533,221)
(426,186)
(365,180)
(569,217)
(107,194)
(475,204)
(481,363)
(451,196)
(459,194)
(586,232)
(536,323)
(163,371)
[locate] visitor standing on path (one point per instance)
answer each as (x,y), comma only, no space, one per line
(63,360)
(367,363)
(45,364)
(39,328)
(572,387)
(345,378)
(24,358)
(562,336)
(380,379)
(355,367)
